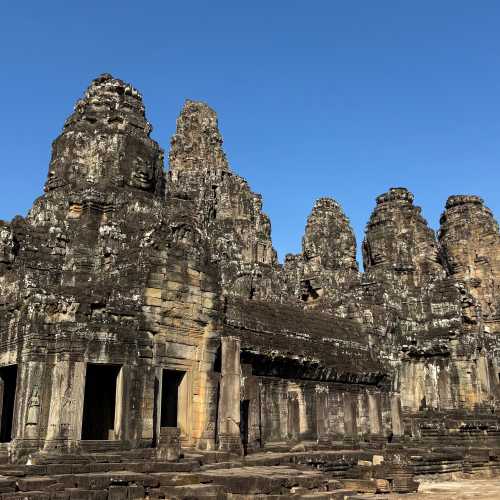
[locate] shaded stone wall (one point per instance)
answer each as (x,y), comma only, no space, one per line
(295,410)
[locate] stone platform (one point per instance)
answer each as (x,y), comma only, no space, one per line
(328,474)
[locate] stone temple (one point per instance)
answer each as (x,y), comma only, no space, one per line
(152,346)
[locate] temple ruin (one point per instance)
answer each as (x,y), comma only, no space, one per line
(152,346)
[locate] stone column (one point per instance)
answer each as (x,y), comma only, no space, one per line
(374,414)
(363,416)
(335,413)
(208,410)
(322,423)
(444,390)
(397,424)
(350,416)
(27,423)
(64,426)
(483,376)
(229,399)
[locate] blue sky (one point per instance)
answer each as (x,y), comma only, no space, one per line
(315,98)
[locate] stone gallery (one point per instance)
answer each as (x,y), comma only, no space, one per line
(152,346)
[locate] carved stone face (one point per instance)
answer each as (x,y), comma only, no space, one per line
(55,177)
(74,161)
(377,250)
(53,180)
(140,164)
(142,174)
(105,159)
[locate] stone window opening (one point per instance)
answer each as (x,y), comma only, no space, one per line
(102,399)
(8,382)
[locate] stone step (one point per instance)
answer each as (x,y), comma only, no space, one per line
(191,491)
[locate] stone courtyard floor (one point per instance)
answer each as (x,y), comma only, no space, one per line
(459,489)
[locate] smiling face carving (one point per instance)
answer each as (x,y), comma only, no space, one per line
(105,160)
(142,174)
(143,162)
(79,159)
(105,143)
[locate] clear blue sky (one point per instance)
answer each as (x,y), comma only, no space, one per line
(315,98)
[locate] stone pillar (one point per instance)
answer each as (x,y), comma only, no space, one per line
(483,377)
(444,390)
(350,415)
(308,412)
(27,423)
(147,384)
(208,410)
(229,399)
(374,414)
(322,421)
(64,426)
(397,425)
(335,413)
(363,416)
(386,414)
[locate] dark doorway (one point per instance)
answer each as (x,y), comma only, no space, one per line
(171,381)
(99,402)
(293,417)
(244,423)
(8,380)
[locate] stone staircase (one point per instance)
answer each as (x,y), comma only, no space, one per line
(216,475)
(306,471)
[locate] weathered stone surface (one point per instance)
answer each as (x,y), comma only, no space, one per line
(470,241)
(327,268)
(229,213)
(144,313)
(105,142)
(398,238)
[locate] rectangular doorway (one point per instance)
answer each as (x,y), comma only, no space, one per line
(8,381)
(99,403)
(244,423)
(172,400)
